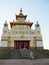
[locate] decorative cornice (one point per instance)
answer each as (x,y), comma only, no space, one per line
(20,23)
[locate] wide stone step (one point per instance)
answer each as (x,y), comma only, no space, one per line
(15,54)
(38,54)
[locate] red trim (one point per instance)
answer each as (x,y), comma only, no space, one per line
(21,44)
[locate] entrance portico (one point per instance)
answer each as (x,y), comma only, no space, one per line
(19,44)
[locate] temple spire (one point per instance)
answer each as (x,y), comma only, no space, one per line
(20,10)
(37,24)
(5,24)
(21,15)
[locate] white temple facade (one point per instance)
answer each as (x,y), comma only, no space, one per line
(21,35)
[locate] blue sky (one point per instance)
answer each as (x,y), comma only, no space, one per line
(35,9)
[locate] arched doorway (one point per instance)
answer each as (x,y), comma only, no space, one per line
(19,44)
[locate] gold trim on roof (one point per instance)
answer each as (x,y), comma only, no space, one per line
(21,23)
(21,15)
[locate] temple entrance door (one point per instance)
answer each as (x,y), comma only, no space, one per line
(21,44)
(27,44)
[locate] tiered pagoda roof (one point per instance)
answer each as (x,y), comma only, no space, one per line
(21,16)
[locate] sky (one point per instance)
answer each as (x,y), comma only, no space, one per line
(35,9)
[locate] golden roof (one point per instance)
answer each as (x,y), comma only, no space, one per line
(21,23)
(21,15)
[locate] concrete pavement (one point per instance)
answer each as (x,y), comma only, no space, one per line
(24,62)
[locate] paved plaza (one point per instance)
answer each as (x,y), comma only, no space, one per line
(24,62)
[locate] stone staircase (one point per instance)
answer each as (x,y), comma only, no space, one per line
(15,54)
(38,54)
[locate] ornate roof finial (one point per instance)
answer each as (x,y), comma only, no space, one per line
(37,24)
(20,10)
(5,24)
(21,15)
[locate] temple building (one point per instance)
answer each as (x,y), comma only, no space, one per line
(21,35)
